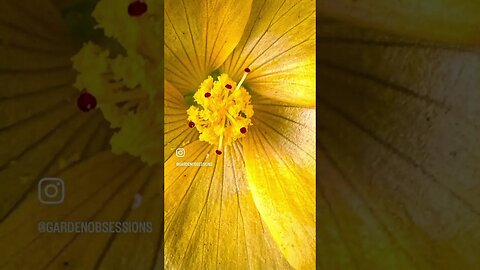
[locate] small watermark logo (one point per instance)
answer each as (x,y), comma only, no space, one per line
(51,190)
(180,152)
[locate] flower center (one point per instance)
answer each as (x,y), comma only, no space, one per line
(222,113)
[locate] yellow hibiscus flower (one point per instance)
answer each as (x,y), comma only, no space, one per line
(397,138)
(240,98)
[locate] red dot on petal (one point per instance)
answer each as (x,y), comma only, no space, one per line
(218,152)
(228,86)
(207,94)
(86,102)
(247,70)
(191,124)
(243,130)
(137,8)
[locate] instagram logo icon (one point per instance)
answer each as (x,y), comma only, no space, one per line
(180,152)
(51,191)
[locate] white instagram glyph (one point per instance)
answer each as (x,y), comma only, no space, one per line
(180,152)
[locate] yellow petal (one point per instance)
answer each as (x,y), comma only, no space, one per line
(399,144)
(363,228)
(32,39)
(199,36)
(100,189)
(210,218)
(141,251)
(45,143)
(176,130)
(450,21)
(279,47)
(280,161)
(37,21)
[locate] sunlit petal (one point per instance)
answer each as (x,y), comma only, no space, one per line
(177,132)
(279,47)
(210,217)
(399,138)
(199,36)
(280,161)
(451,21)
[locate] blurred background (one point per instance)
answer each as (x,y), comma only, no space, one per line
(398,136)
